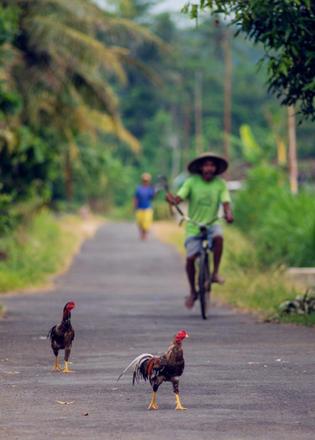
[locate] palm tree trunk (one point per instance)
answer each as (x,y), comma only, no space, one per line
(68,177)
(293,164)
(227,93)
(174,143)
(198,112)
(186,132)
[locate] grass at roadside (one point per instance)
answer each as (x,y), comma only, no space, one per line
(247,286)
(43,248)
(307,320)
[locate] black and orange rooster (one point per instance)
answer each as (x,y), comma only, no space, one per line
(61,337)
(158,369)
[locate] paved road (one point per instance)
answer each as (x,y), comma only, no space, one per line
(243,379)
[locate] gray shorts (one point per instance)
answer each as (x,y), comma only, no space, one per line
(193,244)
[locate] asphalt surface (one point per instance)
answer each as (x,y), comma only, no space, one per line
(243,379)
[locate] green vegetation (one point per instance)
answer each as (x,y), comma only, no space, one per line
(307,320)
(279,224)
(43,247)
(283,32)
(61,66)
(89,94)
(165,119)
(247,285)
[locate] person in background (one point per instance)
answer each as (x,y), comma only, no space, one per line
(143,197)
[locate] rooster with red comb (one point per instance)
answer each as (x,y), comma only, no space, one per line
(158,369)
(61,337)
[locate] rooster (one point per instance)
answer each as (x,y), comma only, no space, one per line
(158,369)
(61,337)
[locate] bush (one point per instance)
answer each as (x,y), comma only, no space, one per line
(288,233)
(7,217)
(281,225)
(263,184)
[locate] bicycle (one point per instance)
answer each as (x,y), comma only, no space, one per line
(204,270)
(203,261)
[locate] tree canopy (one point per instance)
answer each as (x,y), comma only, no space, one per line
(286,30)
(61,65)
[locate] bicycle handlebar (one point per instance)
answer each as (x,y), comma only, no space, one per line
(188,219)
(164,183)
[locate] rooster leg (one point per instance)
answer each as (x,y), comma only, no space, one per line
(66,368)
(179,405)
(67,355)
(56,366)
(153,404)
(155,385)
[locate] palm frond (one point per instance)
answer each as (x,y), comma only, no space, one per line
(102,122)
(53,37)
(135,33)
(69,53)
(8,138)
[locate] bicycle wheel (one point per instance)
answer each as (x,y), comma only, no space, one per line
(204,284)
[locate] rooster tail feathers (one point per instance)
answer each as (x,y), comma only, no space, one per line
(136,364)
(140,369)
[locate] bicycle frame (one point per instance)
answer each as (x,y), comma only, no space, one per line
(204,275)
(204,237)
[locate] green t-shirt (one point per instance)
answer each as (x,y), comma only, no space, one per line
(204,200)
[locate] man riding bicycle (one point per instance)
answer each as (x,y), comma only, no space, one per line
(205,192)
